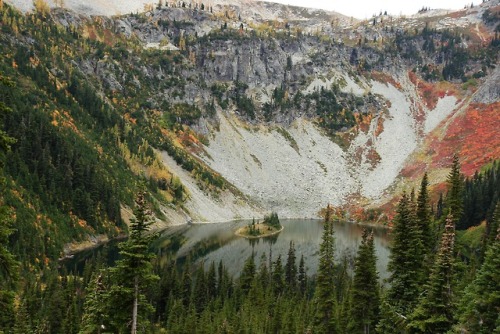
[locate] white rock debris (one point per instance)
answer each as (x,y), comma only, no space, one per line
(202,207)
(443,109)
(297,177)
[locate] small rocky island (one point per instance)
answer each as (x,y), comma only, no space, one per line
(269,226)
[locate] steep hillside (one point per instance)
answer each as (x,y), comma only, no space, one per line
(471,131)
(234,110)
(251,10)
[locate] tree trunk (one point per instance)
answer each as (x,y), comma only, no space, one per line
(134,310)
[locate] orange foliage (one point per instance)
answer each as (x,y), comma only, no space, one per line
(35,61)
(385,78)
(64,119)
(164,132)
(478,131)
(415,169)
(188,139)
(363,121)
(108,38)
(368,215)
(474,136)
(389,209)
(82,223)
(91,34)
(373,157)
(380,126)
(437,189)
(335,212)
(129,118)
(457,15)
(431,93)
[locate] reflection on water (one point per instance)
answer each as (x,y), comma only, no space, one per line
(205,243)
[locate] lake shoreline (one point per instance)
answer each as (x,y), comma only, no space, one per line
(95,241)
(206,243)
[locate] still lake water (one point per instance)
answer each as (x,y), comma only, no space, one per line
(204,243)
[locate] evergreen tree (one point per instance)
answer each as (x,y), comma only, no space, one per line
(424,216)
(435,310)
(224,283)
(8,264)
(405,265)
(22,323)
(480,196)
(480,305)
(406,259)
(440,206)
(492,226)
(291,268)
(391,321)
(71,320)
(248,274)
(325,318)
(365,298)
(302,278)
(264,275)
(277,277)
(53,301)
(211,282)
(200,297)
(454,198)
(185,285)
(133,275)
(5,140)
(93,320)
(8,272)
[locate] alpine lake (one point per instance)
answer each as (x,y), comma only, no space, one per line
(204,243)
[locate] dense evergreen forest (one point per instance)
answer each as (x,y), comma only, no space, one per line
(73,158)
(438,283)
(69,161)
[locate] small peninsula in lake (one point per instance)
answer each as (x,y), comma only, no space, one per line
(270,226)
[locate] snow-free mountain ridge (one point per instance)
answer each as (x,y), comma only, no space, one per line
(286,161)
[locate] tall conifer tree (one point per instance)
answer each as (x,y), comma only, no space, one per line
(248,274)
(95,316)
(291,268)
(278,277)
(454,198)
(424,215)
(405,265)
(325,319)
(133,275)
(365,297)
(405,262)
(480,305)
(435,310)
(492,226)
(302,278)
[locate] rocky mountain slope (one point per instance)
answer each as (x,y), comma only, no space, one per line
(254,10)
(256,107)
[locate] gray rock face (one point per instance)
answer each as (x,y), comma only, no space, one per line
(489,92)
(262,62)
(282,161)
